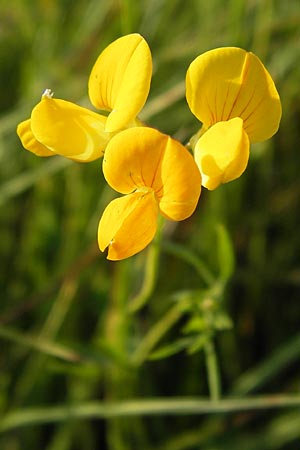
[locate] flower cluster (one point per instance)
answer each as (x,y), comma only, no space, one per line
(228,89)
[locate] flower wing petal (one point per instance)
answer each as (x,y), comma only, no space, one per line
(128,225)
(120,80)
(68,129)
(29,141)
(179,180)
(229,82)
(143,157)
(132,158)
(222,153)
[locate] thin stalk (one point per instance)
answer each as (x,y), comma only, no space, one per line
(145,407)
(150,275)
(183,253)
(44,346)
(212,371)
(25,180)
(155,334)
(278,361)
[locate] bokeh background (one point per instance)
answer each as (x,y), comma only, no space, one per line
(67,337)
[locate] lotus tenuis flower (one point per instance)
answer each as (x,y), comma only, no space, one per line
(119,83)
(231,92)
(157,175)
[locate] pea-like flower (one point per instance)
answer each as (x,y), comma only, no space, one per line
(157,175)
(119,83)
(231,92)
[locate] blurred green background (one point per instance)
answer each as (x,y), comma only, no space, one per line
(67,335)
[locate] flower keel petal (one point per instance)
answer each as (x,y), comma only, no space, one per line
(128,225)
(69,130)
(29,141)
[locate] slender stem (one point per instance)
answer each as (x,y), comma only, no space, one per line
(25,180)
(187,255)
(150,274)
(145,407)
(117,381)
(256,377)
(45,346)
(155,334)
(163,101)
(212,370)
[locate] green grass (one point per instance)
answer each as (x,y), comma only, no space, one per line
(102,355)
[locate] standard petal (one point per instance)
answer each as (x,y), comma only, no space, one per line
(213,82)
(29,141)
(222,153)
(177,182)
(120,80)
(229,82)
(258,102)
(132,158)
(68,129)
(128,225)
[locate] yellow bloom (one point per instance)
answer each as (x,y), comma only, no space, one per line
(157,175)
(119,83)
(120,80)
(222,85)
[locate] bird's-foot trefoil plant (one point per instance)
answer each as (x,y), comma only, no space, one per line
(234,97)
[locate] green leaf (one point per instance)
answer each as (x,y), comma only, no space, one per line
(195,325)
(223,321)
(198,343)
(171,349)
(225,253)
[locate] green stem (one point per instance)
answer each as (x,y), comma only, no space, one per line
(128,13)
(25,180)
(145,407)
(212,370)
(150,275)
(182,252)
(42,345)
(117,327)
(256,377)
(155,334)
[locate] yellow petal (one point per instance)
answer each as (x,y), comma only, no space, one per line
(222,153)
(258,102)
(120,80)
(29,141)
(132,158)
(128,225)
(229,82)
(144,157)
(177,182)
(68,129)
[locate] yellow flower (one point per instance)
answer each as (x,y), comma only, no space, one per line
(157,175)
(119,83)
(230,91)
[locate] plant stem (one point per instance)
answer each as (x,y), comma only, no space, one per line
(155,334)
(150,274)
(212,371)
(146,407)
(185,254)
